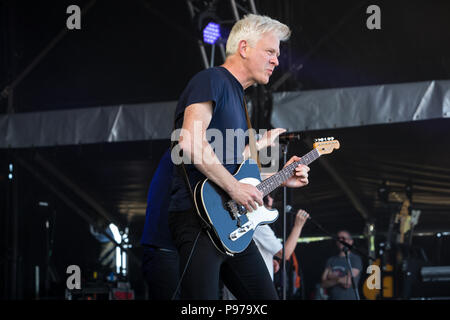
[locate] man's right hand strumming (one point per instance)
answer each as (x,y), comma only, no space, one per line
(247,195)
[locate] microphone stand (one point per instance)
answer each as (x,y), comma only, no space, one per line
(347,258)
(346,248)
(284,140)
(284,148)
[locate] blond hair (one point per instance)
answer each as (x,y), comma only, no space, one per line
(251,28)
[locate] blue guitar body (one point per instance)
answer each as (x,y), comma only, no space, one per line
(231,227)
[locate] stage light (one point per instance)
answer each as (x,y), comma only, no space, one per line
(211,33)
(10,175)
(115,232)
(118,239)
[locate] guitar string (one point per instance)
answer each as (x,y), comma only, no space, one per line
(271,183)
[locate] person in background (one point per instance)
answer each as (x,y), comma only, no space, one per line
(160,261)
(270,246)
(336,278)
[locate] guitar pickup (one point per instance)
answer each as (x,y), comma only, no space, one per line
(239,232)
(242,210)
(234,210)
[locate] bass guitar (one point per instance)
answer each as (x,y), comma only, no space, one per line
(231,227)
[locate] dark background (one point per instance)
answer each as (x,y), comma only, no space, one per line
(145,51)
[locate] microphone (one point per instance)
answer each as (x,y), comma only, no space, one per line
(290,209)
(288,136)
(345,249)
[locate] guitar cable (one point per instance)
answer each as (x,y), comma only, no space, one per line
(186,266)
(203,224)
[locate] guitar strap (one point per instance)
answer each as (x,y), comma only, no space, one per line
(182,170)
(251,137)
(252,145)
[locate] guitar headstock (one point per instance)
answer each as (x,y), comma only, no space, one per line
(326,145)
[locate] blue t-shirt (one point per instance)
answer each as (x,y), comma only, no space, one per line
(156,229)
(218,85)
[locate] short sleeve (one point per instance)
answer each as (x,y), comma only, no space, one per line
(206,85)
(265,238)
(329,262)
(356,262)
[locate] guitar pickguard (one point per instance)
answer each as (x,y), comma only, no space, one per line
(212,206)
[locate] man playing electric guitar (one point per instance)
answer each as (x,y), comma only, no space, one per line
(214,99)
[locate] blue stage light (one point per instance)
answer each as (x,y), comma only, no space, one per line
(211,33)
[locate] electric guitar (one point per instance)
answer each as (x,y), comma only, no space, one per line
(231,227)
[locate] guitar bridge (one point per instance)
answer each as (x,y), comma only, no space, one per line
(234,210)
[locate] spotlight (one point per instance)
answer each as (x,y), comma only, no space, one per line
(211,33)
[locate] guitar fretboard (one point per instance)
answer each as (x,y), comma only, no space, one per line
(276,180)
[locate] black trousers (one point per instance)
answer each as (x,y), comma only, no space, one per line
(161,272)
(245,274)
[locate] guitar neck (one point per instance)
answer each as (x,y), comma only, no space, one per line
(276,180)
